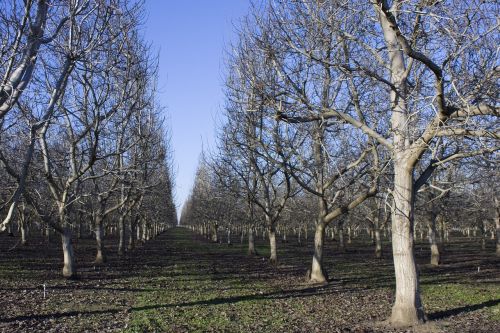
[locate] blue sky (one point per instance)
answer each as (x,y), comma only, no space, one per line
(192,36)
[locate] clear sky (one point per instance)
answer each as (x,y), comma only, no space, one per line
(192,36)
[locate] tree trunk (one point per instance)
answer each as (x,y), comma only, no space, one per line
(341,237)
(69,269)
(497,224)
(144,231)
(378,244)
(251,242)
(272,244)
(215,237)
(47,233)
(441,230)
(9,230)
(23,226)
(79,227)
(349,234)
(378,238)
(435,255)
(121,242)
(132,235)
(24,240)
(138,231)
(318,274)
(99,235)
(407,308)
(482,229)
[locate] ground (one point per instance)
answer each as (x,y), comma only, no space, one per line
(180,282)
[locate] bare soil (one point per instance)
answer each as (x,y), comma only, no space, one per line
(180,282)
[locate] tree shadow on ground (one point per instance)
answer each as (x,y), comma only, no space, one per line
(57,315)
(286,294)
(461,310)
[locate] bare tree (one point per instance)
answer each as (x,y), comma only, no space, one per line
(96,74)
(400,89)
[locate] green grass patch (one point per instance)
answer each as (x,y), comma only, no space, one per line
(198,297)
(462,297)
